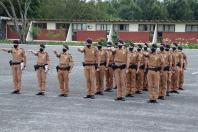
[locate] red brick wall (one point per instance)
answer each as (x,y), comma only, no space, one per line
(11,34)
(181,37)
(134,36)
(94,35)
(56,35)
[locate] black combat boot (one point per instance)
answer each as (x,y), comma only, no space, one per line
(92,97)
(16,92)
(86,97)
(63,95)
(40,93)
(129,95)
(118,99)
(161,97)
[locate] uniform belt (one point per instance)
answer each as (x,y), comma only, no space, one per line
(89,64)
(114,66)
(156,69)
(167,68)
(178,64)
(14,63)
(142,66)
(63,68)
(133,66)
(36,67)
(102,64)
(110,65)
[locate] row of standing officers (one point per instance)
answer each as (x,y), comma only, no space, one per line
(133,71)
(159,72)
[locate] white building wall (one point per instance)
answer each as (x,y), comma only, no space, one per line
(180,27)
(133,27)
(51,26)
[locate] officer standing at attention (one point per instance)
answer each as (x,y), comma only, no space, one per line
(89,67)
(18,63)
(63,69)
(169,78)
(109,70)
(133,65)
(42,67)
(164,74)
(155,64)
(140,74)
(119,66)
(178,66)
(185,62)
(145,52)
(100,72)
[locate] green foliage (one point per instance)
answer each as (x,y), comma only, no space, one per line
(110,9)
(115,38)
(35,31)
(103,42)
(128,43)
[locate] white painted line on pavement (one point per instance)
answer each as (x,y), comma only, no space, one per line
(194,73)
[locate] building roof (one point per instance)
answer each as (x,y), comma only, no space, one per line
(114,21)
(131,21)
(4,18)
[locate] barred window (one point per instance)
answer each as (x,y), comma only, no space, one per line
(79,26)
(40,25)
(147,27)
(103,27)
(121,27)
(191,28)
(166,28)
(13,28)
(62,26)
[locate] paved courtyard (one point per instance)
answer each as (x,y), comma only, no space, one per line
(29,113)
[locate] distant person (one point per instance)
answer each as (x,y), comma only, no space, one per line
(181,72)
(63,69)
(18,63)
(101,66)
(109,70)
(140,74)
(89,64)
(178,62)
(119,66)
(133,64)
(42,67)
(155,65)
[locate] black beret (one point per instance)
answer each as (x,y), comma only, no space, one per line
(89,41)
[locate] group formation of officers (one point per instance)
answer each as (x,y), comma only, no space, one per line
(130,69)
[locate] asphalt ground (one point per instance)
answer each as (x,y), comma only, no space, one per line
(30,113)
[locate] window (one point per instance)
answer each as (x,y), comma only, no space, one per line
(12,28)
(79,26)
(103,27)
(121,27)
(62,26)
(191,28)
(40,25)
(166,28)
(147,27)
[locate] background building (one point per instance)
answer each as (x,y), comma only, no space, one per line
(139,31)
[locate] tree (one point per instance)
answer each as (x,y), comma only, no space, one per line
(20,21)
(179,9)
